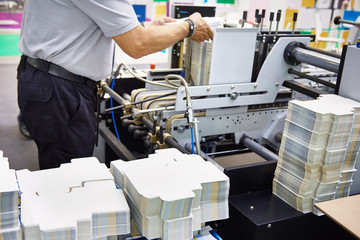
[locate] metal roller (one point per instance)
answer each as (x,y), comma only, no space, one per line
(295,53)
(258,149)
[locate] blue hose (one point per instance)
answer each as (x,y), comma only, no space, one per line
(192,140)
(112,112)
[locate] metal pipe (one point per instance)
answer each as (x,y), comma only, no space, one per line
(227,152)
(315,79)
(258,149)
(338,20)
(323,52)
(112,93)
(206,157)
(316,59)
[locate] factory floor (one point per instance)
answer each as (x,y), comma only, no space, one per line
(21,151)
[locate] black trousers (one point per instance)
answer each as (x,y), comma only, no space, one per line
(59,115)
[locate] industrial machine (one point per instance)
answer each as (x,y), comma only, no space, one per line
(230,97)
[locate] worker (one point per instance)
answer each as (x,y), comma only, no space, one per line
(67,48)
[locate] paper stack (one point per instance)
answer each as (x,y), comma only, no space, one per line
(353,144)
(170,194)
(79,200)
(312,152)
(9,193)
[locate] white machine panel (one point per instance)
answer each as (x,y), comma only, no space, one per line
(350,85)
(232,55)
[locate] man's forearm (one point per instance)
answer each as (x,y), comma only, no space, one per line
(142,41)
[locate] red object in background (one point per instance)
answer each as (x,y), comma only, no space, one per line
(152,66)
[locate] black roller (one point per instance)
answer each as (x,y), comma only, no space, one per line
(173,143)
(126,122)
(258,149)
(139,134)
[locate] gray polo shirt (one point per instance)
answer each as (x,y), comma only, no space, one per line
(75,34)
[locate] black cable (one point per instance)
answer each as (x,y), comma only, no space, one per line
(312,78)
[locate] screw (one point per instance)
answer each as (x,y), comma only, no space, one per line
(277,84)
(255,85)
(208,89)
(181,129)
(232,86)
(251,208)
(269,225)
(233,95)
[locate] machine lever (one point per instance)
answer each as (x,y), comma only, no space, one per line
(244,18)
(271,19)
(294,22)
(278,17)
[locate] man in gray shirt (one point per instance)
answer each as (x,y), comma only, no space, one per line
(68,47)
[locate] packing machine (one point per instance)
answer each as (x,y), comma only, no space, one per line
(230,97)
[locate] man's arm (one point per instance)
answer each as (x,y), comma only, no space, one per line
(142,41)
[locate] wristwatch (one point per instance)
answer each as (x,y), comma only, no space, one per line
(191,27)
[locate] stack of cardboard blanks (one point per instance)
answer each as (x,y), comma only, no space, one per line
(301,152)
(9,194)
(170,194)
(312,151)
(79,200)
(353,144)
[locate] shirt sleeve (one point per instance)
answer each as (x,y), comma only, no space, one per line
(114,17)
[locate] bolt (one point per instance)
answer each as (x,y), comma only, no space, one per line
(232,86)
(203,139)
(277,84)
(208,89)
(251,208)
(182,90)
(255,85)
(181,129)
(269,225)
(233,95)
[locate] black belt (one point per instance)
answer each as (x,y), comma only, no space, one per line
(60,72)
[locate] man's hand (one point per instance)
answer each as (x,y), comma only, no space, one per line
(142,41)
(202,30)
